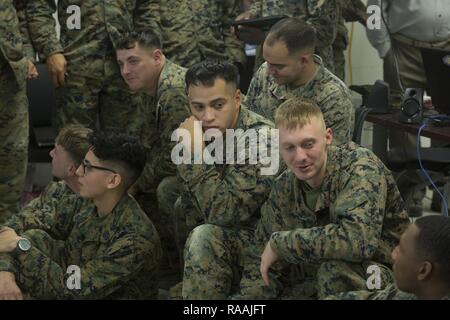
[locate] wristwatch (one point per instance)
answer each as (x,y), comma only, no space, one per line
(23,246)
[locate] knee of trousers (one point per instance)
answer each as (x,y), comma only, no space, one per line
(204,241)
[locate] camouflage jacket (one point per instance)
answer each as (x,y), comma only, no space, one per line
(163,115)
(48,213)
(389,293)
(118,256)
(103,23)
(15,45)
(359,214)
(200,29)
(321,14)
(228,195)
(325,89)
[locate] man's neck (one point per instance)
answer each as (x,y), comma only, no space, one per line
(434,291)
(73,184)
(107,202)
(309,74)
(153,87)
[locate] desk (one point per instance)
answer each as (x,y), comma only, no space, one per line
(390,120)
(380,137)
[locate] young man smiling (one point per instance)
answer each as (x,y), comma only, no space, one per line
(111,242)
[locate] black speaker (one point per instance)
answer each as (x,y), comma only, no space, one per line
(378,101)
(412,105)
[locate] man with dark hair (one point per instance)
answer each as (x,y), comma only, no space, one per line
(292,70)
(164,106)
(332,217)
(421,264)
(220,200)
(109,249)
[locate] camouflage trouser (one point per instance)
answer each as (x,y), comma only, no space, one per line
(339,46)
(54,249)
(213,260)
(100,95)
(13,142)
(158,203)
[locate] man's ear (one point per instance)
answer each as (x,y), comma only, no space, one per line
(71,171)
(157,55)
(329,136)
(424,271)
(114,181)
(238,98)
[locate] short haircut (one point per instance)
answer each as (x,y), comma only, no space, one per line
(146,40)
(74,139)
(206,72)
(296,113)
(433,242)
(122,152)
(295,33)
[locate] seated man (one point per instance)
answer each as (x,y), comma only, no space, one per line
(164,106)
(421,264)
(221,201)
(333,214)
(292,70)
(110,248)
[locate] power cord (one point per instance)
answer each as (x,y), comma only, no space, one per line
(425,173)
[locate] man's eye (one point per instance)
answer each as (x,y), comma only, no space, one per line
(290,148)
(134,62)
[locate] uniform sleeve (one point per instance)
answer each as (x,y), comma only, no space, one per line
(339,114)
(99,277)
(234,46)
(256,8)
(228,196)
(355,233)
(323,16)
(42,27)
(147,16)
(379,38)
(174,106)
(28,49)
(254,90)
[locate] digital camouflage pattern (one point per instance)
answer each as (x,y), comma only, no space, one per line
(200,29)
(118,256)
(391,292)
(325,89)
(15,49)
(356,222)
(321,14)
(221,204)
(91,59)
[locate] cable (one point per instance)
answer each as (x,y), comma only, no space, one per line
(444,200)
(349,55)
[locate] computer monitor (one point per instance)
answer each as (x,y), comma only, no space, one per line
(437,69)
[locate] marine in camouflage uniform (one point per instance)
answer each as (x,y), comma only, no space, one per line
(15,50)
(199,30)
(118,255)
(221,204)
(325,89)
(321,14)
(90,56)
(356,221)
(157,188)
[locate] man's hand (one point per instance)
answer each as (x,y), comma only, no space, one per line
(248,34)
(56,65)
(32,71)
(8,287)
(267,259)
(8,239)
(194,127)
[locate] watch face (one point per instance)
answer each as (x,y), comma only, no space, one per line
(24,244)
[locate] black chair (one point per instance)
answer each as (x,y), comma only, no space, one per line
(41,101)
(360,115)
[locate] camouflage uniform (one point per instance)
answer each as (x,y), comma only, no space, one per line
(326,90)
(356,221)
(163,113)
(118,255)
(319,13)
(221,204)
(14,53)
(389,293)
(200,29)
(91,59)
